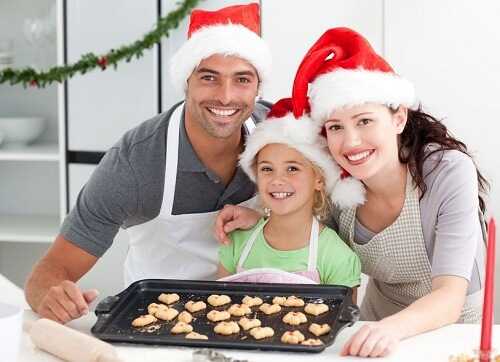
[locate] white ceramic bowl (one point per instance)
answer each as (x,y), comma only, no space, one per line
(20,131)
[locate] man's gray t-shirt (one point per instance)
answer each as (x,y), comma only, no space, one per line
(450,221)
(126,188)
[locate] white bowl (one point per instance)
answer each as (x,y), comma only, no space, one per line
(20,131)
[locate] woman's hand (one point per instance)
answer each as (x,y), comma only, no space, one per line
(233,217)
(372,340)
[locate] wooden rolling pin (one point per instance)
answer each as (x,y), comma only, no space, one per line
(69,344)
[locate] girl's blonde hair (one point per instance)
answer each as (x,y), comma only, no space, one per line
(322,205)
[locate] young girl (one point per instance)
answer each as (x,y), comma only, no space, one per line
(419,233)
(295,179)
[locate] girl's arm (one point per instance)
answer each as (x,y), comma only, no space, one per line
(437,309)
(233,217)
(222,272)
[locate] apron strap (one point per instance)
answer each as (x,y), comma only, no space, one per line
(249,245)
(313,246)
(172,159)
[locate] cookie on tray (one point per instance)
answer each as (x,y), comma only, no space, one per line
(169,298)
(319,330)
(293,301)
(153,308)
(216,300)
(216,316)
(181,327)
(143,320)
(247,324)
(295,318)
(252,301)
(194,307)
(226,328)
(316,308)
(185,317)
(270,308)
(279,300)
(312,342)
(194,335)
(292,337)
(262,332)
(239,310)
(166,314)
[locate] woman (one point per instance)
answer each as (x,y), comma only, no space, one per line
(419,233)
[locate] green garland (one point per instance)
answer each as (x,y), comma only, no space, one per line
(91,61)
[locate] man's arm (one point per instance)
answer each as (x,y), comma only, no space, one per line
(51,288)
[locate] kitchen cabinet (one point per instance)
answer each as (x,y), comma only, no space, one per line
(31,186)
(101,106)
(85,116)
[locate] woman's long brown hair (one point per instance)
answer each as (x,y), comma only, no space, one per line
(421,130)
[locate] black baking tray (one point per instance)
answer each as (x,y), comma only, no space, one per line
(115,313)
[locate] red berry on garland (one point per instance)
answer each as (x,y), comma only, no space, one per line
(103,62)
(34,83)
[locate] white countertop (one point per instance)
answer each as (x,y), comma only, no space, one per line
(428,347)
(11,293)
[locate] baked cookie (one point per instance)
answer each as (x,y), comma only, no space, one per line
(166,314)
(312,342)
(292,337)
(194,335)
(247,324)
(169,298)
(270,308)
(181,327)
(216,300)
(239,310)
(316,308)
(185,317)
(194,307)
(153,307)
(216,316)
(252,301)
(295,318)
(143,320)
(319,330)
(226,328)
(279,300)
(293,301)
(262,332)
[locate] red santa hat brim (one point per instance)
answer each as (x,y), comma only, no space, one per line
(225,39)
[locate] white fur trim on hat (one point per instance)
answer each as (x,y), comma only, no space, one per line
(345,88)
(303,135)
(225,39)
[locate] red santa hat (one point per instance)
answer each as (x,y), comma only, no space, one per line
(343,70)
(302,134)
(233,30)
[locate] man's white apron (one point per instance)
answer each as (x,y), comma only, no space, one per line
(174,246)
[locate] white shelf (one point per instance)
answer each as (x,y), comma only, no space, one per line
(29,228)
(35,152)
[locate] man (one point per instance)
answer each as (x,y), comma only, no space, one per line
(164,181)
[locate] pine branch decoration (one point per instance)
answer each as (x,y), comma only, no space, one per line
(88,62)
